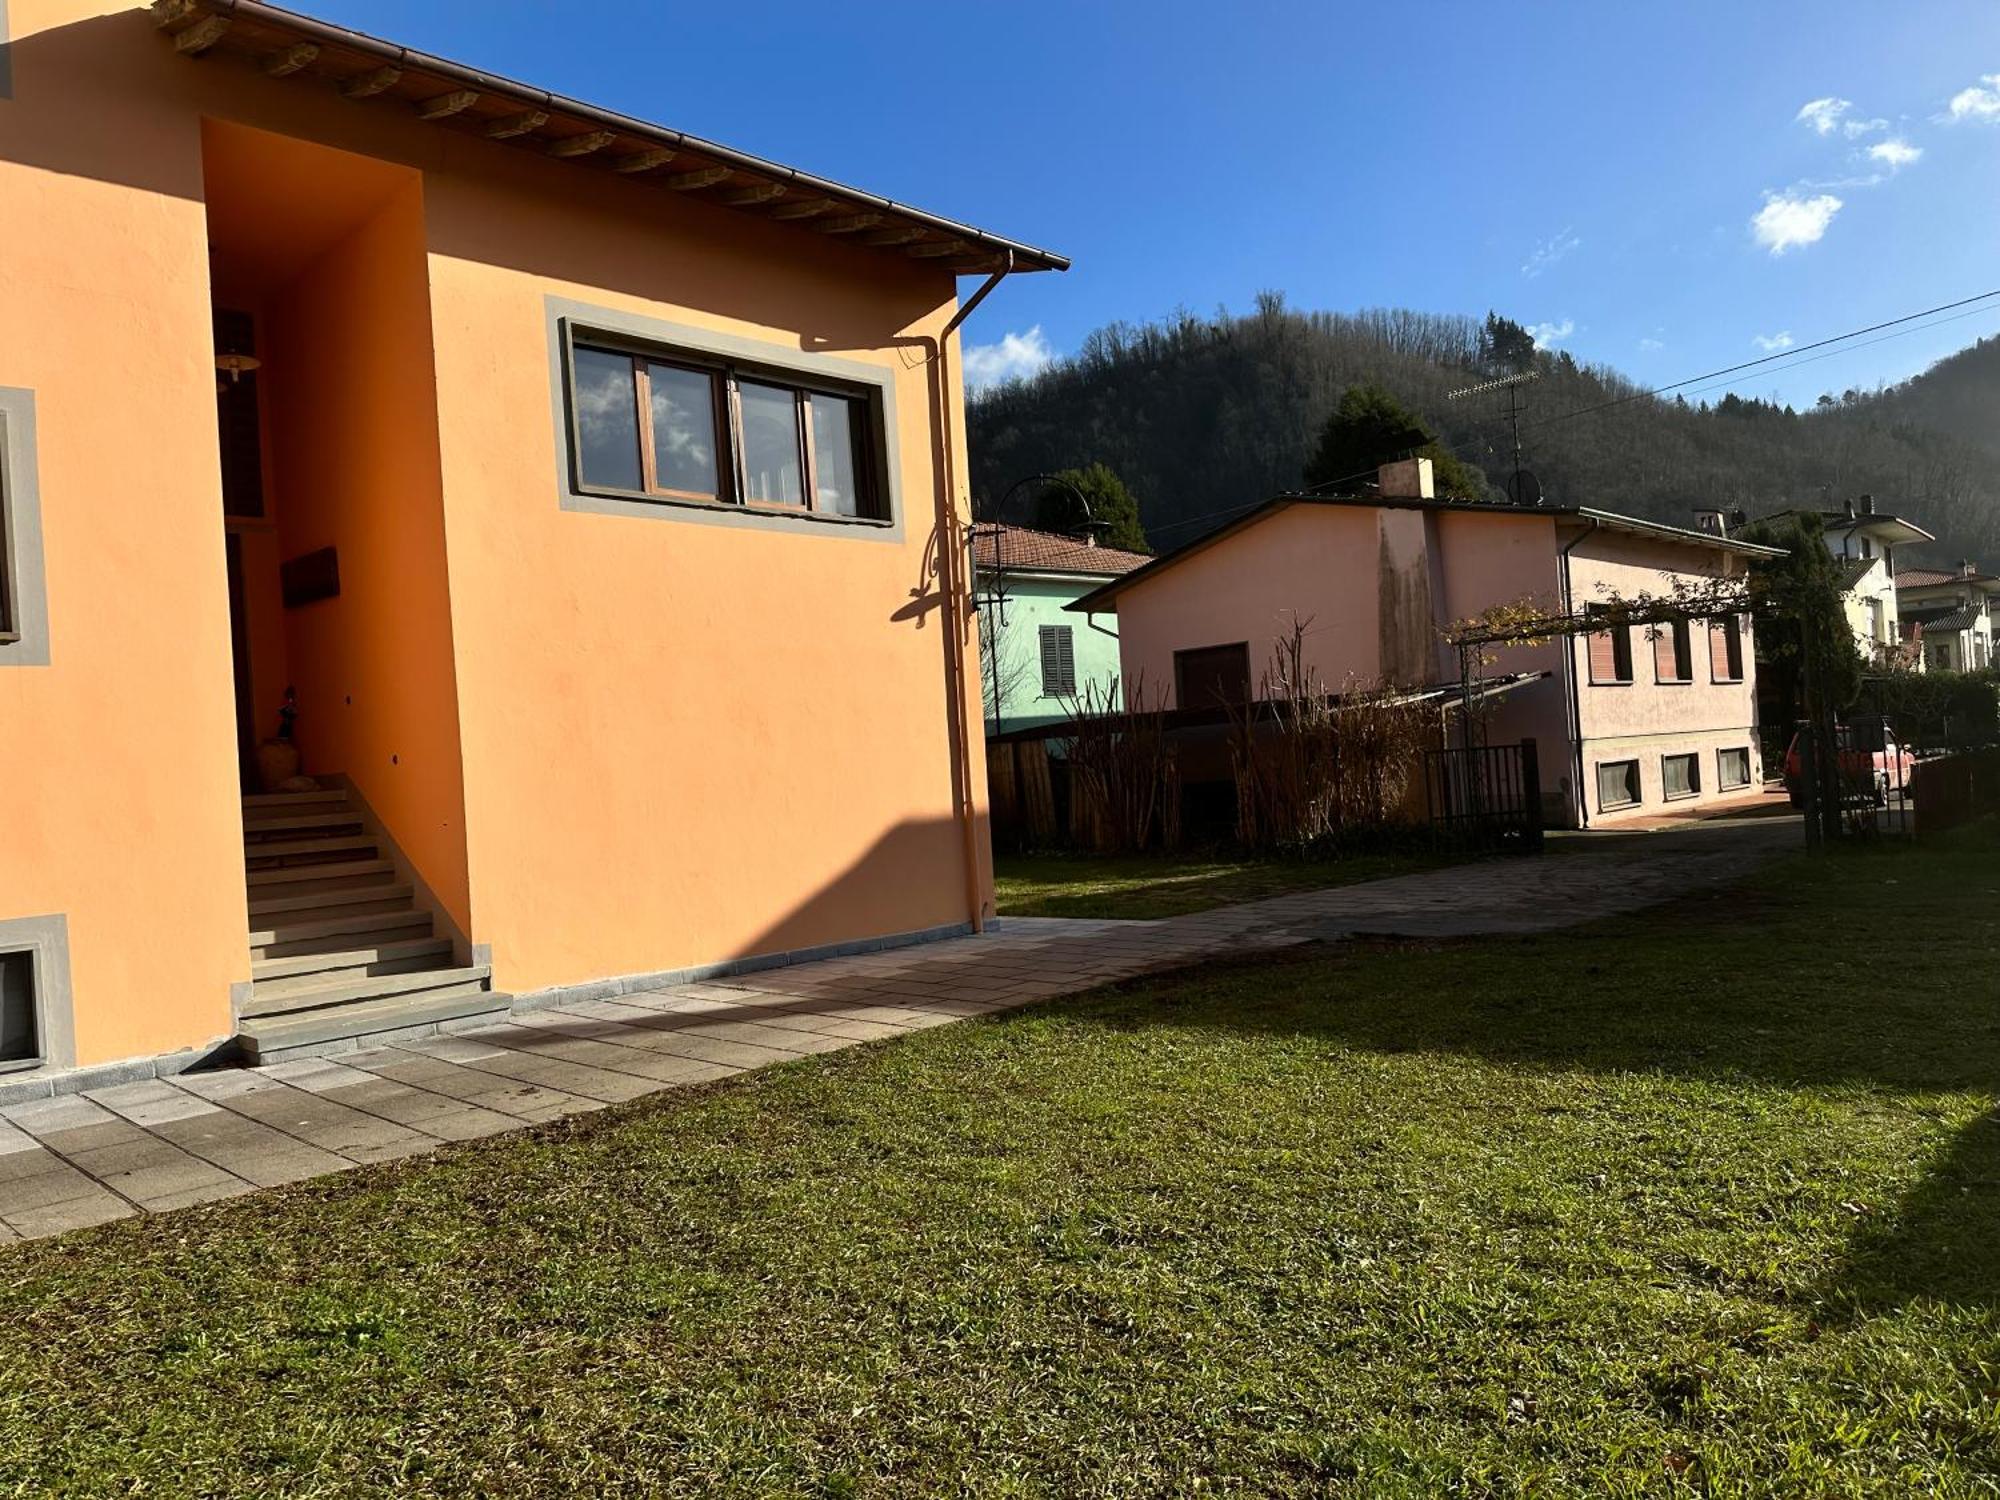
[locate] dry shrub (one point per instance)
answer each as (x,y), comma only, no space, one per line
(1314,768)
(1124,788)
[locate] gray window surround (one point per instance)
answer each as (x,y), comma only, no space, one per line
(1722,762)
(24,634)
(47,938)
(6,56)
(570,321)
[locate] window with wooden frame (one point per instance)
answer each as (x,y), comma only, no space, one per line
(659,424)
(1610,651)
(1673,652)
(1725,648)
(1058,643)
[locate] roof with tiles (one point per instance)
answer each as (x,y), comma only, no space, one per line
(1022,548)
(1928,578)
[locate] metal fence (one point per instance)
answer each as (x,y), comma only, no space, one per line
(1486,796)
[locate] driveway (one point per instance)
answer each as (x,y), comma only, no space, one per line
(169,1143)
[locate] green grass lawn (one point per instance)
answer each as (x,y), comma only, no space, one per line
(1702,1201)
(1141,887)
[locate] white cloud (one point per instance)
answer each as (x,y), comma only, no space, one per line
(1549,251)
(1548,335)
(1016,356)
(1651,346)
(1894,153)
(1823,115)
(1855,129)
(1980,102)
(1771,343)
(1788,220)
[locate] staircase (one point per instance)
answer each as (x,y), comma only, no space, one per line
(339,949)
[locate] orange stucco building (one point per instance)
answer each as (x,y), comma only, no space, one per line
(594,493)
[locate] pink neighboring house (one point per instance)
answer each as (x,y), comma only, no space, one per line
(1627,722)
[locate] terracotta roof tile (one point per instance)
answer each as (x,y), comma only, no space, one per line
(1047,552)
(1924,578)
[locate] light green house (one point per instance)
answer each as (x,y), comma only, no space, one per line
(1037,659)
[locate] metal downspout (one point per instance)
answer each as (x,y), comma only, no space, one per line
(954,567)
(1572,701)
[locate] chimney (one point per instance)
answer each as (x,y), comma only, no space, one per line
(1965,568)
(1714,521)
(1409,479)
(1867,505)
(1850,509)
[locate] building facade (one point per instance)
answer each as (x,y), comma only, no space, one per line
(1037,660)
(555,476)
(1629,720)
(1950,615)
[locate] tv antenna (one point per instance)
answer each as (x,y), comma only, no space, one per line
(1522,487)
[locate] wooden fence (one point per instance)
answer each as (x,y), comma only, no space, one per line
(1949,790)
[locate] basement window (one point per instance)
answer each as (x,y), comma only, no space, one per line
(20,1035)
(1680,776)
(655,423)
(1734,766)
(1617,784)
(1212,676)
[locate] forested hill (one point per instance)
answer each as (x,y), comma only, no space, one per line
(1201,416)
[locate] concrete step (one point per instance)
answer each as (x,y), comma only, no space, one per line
(272,977)
(313,904)
(310,992)
(269,1039)
(260,802)
(281,937)
(334,872)
(296,823)
(354,845)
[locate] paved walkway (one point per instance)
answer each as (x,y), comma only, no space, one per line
(169,1143)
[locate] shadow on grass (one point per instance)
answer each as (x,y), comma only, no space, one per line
(1788,979)
(1943,1240)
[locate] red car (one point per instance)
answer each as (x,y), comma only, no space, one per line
(1873,763)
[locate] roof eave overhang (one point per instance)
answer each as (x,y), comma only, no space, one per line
(1613,521)
(453,96)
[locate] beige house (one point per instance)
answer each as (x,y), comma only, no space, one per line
(1865,540)
(1951,615)
(1627,721)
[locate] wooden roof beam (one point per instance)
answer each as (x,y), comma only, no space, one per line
(804,208)
(289,60)
(902,234)
(643,161)
(444,106)
(939,247)
(758,192)
(701,177)
(582,145)
(194,40)
(848,223)
(510,126)
(368,85)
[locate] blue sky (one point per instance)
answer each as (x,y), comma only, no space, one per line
(1640,182)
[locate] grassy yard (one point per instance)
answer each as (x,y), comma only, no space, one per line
(1140,887)
(1703,1201)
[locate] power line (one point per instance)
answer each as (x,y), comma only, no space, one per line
(1752,364)
(1785,356)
